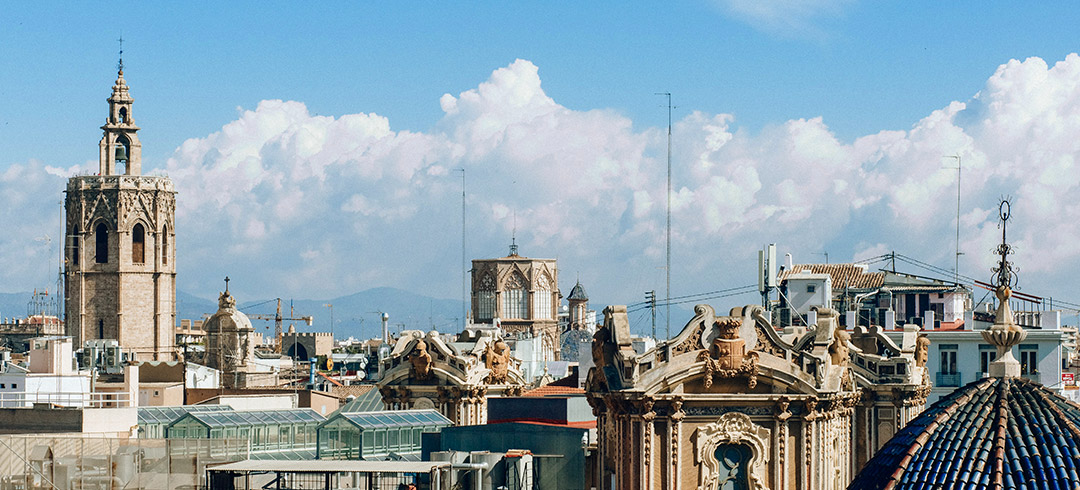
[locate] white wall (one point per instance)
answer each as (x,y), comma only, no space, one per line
(968,344)
(799,296)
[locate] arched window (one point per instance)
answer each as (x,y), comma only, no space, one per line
(138,244)
(165,245)
(101,329)
(542,299)
(101,242)
(734,460)
(123,115)
(123,150)
(515,301)
(485,300)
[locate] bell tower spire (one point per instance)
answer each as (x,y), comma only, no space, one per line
(120,145)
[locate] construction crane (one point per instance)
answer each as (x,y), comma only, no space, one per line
(277,318)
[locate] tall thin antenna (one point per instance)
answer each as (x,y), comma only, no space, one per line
(956,267)
(464,264)
(667,268)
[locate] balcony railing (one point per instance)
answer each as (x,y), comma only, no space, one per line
(71,399)
(948,379)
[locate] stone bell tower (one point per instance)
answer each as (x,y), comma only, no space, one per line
(120,269)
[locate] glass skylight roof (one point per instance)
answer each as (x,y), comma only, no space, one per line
(257,417)
(397,418)
(165,415)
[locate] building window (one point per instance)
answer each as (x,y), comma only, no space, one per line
(948,375)
(123,151)
(734,462)
(515,300)
(810,288)
(948,358)
(1029,359)
(75,247)
(987,354)
(101,239)
(485,300)
(165,245)
(542,299)
(138,244)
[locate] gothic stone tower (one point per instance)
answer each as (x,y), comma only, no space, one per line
(119,267)
(522,294)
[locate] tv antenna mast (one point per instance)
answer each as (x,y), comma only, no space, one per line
(464,264)
(956,266)
(667,268)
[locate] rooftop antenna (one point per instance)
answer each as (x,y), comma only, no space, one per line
(956,267)
(464,264)
(667,268)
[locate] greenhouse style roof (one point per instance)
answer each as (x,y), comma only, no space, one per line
(165,415)
(396,418)
(370,401)
(256,417)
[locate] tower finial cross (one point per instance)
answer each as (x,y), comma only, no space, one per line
(226,284)
(120,64)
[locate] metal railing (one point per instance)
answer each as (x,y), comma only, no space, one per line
(948,379)
(66,399)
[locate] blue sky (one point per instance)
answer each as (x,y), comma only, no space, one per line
(817,125)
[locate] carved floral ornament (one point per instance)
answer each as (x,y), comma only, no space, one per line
(731,428)
(727,356)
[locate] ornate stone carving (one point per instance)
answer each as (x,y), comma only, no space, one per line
(727,357)
(838,349)
(421,361)
(497,359)
(732,428)
(922,350)
(765,342)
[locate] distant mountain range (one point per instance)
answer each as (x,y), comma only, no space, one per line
(355,315)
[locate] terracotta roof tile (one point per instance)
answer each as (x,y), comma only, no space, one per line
(843,275)
(549,390)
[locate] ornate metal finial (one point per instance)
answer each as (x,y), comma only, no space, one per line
(1004,333)
(1005,272)
(120,63)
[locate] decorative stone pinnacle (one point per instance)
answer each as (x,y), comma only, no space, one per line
(1005,333)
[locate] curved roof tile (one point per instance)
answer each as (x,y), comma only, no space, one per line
(992,433)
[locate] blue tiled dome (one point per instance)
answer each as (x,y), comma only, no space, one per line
(992,433)
(578,293)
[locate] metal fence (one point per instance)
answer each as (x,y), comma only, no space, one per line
(97,399)
(73,462)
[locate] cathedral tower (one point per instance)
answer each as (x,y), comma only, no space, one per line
(521,295)
(120,271)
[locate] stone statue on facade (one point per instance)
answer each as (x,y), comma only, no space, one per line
(421,361)
(922,350)
(838,349)
(497,359)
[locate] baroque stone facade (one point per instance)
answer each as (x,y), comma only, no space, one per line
(733,400)
(521,295)
(230,343)
(456,379)
(120,268)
